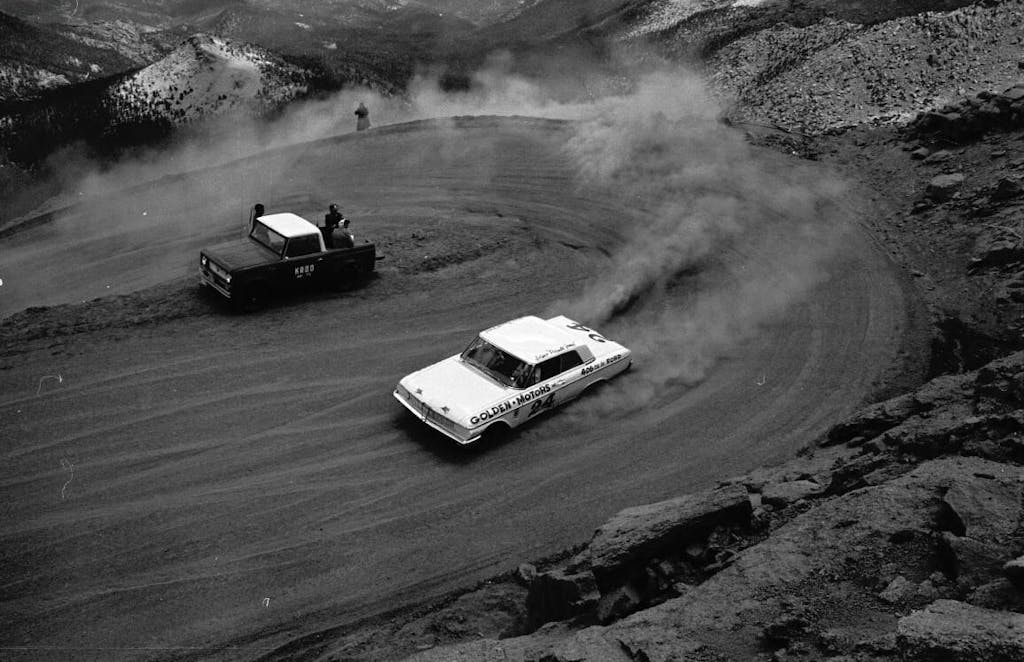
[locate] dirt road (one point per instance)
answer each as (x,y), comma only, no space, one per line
(182,482)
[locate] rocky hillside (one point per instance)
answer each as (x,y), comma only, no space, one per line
(39,57)
(203,77)
(207,76)
(834,73)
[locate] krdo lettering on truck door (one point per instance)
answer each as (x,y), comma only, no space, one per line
(303,259)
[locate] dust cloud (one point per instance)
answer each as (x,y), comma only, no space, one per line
(100,244)
(722,242)
(754,239)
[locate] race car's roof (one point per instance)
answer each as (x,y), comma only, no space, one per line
(529,338)
(289,225)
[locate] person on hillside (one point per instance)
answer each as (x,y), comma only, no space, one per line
(362,117)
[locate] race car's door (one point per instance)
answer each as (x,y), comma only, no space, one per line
(561,373)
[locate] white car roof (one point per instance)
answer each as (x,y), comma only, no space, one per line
(530,338)
(288,224)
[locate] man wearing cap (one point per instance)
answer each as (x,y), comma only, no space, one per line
(332,219)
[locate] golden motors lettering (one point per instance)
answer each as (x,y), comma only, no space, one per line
(510,404)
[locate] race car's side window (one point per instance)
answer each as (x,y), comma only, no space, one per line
(547,369)
(556,365)
(570,360)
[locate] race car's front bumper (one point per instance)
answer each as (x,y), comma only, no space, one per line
(434,419)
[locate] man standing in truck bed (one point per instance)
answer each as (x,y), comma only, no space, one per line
(332,219)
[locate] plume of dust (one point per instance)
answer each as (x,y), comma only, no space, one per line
(495,90)
(139,203)
(724,240)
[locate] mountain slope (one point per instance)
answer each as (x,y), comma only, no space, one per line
(208,76)
(38,57)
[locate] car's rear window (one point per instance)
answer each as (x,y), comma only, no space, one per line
(304,245)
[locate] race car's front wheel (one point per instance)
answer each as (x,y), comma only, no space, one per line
(496,433)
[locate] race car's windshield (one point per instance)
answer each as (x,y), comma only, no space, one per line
(501,366)
(264,235)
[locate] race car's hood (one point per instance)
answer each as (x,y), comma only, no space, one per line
(455,389)
(240,254)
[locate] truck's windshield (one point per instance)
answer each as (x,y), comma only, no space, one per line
(500,366)
(262,234)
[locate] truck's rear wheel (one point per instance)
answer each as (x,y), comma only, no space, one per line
(348,278)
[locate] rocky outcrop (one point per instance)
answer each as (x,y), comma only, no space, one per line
(979,413)
(973,117)
(943,187)
(953,631)
(645,532)
(558,595)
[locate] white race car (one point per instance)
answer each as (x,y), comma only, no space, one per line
(510,373)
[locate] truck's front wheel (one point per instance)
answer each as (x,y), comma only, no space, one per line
(252,298)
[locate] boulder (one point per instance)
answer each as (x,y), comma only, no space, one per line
(1015,93)
(938,156)
(1003,381)
(988,503)
(644,532)
(899,590)
(971,561)
(1014,571)
(525,574)
(557,596)
(780,495)
(872,421)
(954,631)
(1006,189)
(618,603)
(994,248)
(783,630)
(998,594)
(943,187)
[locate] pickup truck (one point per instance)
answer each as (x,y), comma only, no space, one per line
(283,253)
